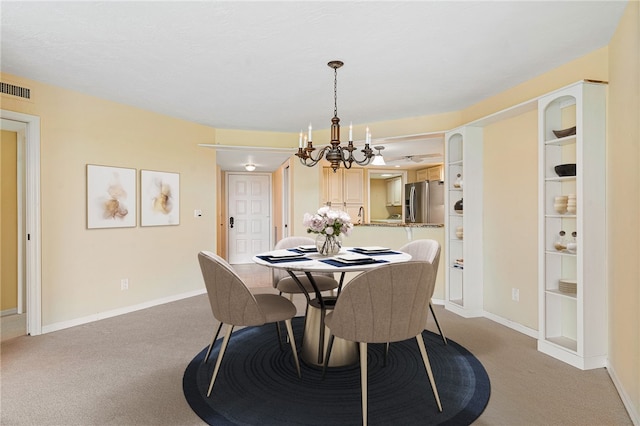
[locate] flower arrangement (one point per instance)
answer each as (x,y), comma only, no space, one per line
(328,222)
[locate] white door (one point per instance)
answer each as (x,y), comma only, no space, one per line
(249,215)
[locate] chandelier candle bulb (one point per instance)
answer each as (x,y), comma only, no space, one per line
(300,140)
(350,132)
(310,132)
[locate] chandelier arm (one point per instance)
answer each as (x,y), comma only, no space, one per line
(308,159)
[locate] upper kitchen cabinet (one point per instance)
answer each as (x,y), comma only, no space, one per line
(430,173)
(394,191)
(344,189)
(463,221)
(572,229)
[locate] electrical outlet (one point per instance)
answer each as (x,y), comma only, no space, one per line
(515,294)
(124,284)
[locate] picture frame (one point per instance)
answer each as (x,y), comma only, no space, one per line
(111,197)
(159,198)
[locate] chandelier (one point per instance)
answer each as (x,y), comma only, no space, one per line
(334,153)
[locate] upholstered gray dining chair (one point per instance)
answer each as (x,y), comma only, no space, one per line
(385,304)
(429,251)
(234,305)
(284,283)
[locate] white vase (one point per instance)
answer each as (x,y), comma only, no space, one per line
(328,245)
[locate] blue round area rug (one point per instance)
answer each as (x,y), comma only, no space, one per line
(257,384)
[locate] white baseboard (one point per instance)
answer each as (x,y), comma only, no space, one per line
(6,312)
(513,325)
(626,399)
(120,311)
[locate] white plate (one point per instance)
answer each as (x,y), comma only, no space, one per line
(283,254)
(307,248)
(371,249)
(353,258)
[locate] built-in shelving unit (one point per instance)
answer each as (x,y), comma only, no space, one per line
(463,256)
(572,274)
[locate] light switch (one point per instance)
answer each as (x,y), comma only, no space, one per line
(197,213)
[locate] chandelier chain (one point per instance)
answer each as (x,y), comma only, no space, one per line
(335,92)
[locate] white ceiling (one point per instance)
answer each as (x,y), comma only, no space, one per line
(262,65)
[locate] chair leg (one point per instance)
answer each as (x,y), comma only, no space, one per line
(223,348)
(327,355)
(437,323)
(386,354)
(293,345)
(277,324)
(363,380)
(213,341)
(427,365)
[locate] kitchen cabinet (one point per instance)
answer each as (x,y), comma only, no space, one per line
(463,226)
(572,294)
(394,191)
(344,189)
(430,173)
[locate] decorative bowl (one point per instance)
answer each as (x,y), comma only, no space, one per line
(566,169)
(565,132)
(560,208)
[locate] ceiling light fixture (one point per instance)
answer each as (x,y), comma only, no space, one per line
(335,154)
(378,160)
(249,167)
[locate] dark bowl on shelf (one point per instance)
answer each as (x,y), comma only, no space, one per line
(565,132)
(566,169)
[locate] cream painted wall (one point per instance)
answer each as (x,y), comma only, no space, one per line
(306,185)
(592,66)
(378,201)
(511,218)
(255,138)
(9,221)
(623,207)
(81,268)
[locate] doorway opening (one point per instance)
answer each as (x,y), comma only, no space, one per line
(28,234)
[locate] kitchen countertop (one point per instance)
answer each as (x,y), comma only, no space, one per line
(403,225)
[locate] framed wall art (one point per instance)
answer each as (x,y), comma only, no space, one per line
(111,197)
(159,198)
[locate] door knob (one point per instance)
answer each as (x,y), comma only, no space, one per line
(231,222)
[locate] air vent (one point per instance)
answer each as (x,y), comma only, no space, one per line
(13,90)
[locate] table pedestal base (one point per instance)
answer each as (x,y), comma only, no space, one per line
(343,352)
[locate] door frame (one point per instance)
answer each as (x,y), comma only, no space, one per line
(31,229)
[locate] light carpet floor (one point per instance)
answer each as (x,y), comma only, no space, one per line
(128,370)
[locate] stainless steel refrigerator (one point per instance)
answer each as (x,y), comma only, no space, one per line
(424,202)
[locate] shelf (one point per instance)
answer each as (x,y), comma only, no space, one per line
(560,253)
(560,179)
(560,216)
(456,163)
(561,294)
(567,140)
